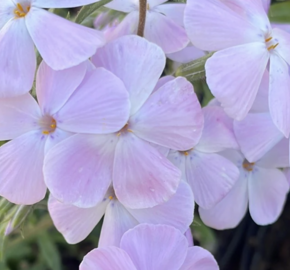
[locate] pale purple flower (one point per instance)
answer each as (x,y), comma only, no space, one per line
(75,100)
(76,223)
(246,44)
(157,247)
(210,175)
(262,186)
(79,170)
(61,43)
(164,23)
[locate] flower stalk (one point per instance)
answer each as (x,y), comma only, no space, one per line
(142,17)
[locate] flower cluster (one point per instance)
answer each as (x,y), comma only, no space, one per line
(107,134)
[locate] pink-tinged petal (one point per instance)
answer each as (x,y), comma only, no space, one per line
(56,137)
(177,212)
(145,62)
(261,103)
(174,11)
(266,4)
(154,3)
(116,222)
(75,223)
(178,158)
(162,81)
(128,26)
(287,174)
(6,11)
(21,178)
(279,93)
(283,38)
(18,115)
(61,4)
(58,39)
(267,194)
(256,135)
(100,105)
(165,32)
(218,133)
(142,176)
(277,157)
(171,117)
(210,176)
(18,63)
(110,258)
(123,5)
(254,12)
(284,27)
(163,150)
(199,259)
(155,247)
(212,26)
(189,237)
(234,76)
(54,88)
(78,170)
(186,55)
(229,212)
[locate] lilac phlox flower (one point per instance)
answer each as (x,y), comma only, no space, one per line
(262,186)
(76,223)
(210,175)
(70,101)
(147,246)
(79,170)
(61,43)
(164,23)
(246,45)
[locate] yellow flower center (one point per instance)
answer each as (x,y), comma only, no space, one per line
(248,166)
(48,124)
(270,42)
(21,10)
(124,129)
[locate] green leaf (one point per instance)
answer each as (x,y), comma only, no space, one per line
(280,12)
(49,251)
(89,9)
(193,71)
(203,234)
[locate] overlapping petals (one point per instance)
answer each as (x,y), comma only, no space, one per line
(177,212)
(34,129)
(150,247)
(56,39)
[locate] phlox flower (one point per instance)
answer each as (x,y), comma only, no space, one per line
(79,170)
(246,45)
(262,186)
(61,43)
(210,175)
(76,223)
(157,247)
(164,23)
(70,101)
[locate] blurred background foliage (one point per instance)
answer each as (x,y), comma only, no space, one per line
(29,241)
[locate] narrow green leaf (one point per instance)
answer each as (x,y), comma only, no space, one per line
(89,9)
(280,12)
(193,71)
(49,251)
